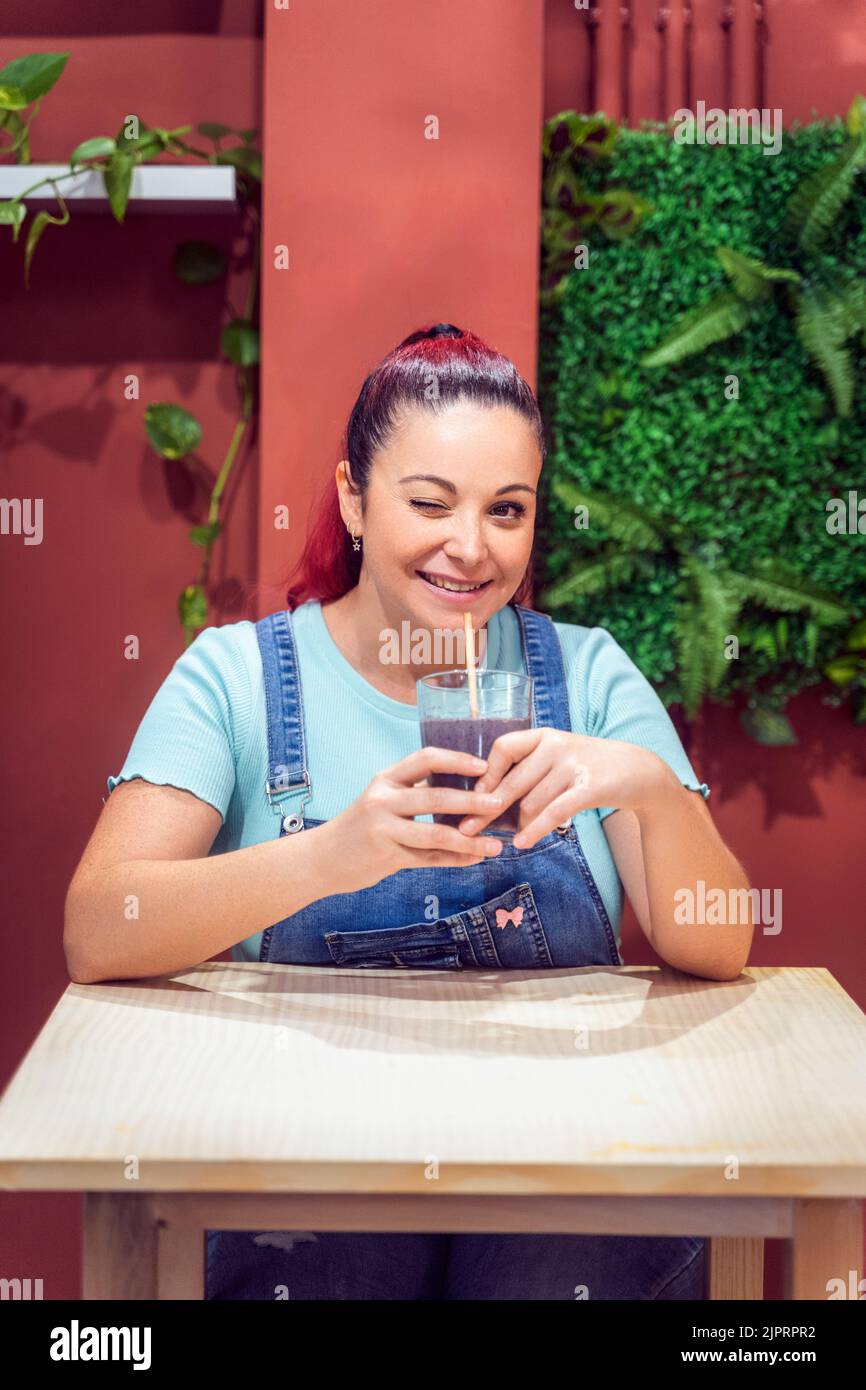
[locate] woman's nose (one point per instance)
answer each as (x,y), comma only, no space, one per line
(467,544)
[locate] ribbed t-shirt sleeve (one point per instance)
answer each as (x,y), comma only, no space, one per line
(193,729)
(617,701)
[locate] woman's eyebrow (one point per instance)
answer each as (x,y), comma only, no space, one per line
(443,482)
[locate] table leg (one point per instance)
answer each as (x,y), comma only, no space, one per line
(119,1246)
(736,1267)
(180,1257)
(826,1245)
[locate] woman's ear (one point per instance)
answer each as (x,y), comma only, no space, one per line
(350,501)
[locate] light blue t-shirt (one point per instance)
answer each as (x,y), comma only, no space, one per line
(205,729)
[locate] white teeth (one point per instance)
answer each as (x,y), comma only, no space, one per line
(458,588)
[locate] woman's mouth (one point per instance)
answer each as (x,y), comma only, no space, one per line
(452,590)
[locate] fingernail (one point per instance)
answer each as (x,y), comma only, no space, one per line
(491,799)
(467,825)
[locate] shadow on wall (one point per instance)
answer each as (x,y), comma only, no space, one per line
(102,18)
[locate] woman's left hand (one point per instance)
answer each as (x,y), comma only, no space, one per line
(557,774)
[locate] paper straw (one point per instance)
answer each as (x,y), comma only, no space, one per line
(470,664)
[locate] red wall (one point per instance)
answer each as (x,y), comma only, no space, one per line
(385,231)
(103,303)
(815,56)
(388,230)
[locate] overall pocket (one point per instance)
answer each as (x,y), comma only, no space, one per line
(503,933)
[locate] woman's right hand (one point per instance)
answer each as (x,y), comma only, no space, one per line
(376,835)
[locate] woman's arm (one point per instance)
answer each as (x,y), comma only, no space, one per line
(556,773)
(662,848)
(146,900)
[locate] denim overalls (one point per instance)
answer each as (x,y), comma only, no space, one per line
(524,909)
(535,908)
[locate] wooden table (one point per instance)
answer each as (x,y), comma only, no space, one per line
(630,1100)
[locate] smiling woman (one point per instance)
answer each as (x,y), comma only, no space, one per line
(436,541)
(306,742)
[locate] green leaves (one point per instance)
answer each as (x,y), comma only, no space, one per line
(816,204)
(567,133)
(774,585)
(192,608)
(13,214)
(752,279)
(824,318)
(724,315)
(856,118)
(704,619)
(751,471)
(848,671)
(97,148)
(711,594)
(623,522)
(172,431)
(205,535)
(240,342)
(823,326)
(573,145)
(37,227)
(26,79)
(247,160)
(117,177)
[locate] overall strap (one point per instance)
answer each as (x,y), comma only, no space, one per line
(288,775)
(542,656)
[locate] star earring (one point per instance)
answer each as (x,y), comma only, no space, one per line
(356,544)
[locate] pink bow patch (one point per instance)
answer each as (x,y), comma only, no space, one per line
(515,916)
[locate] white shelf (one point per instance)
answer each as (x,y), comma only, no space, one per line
(155,187)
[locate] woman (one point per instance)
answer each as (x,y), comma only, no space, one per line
(299,725)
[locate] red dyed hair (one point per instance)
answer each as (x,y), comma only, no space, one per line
(461,367)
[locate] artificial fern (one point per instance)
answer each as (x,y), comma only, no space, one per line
(825,317)
(816,204)
(752,279)
(710,600)
(721,317)
(822,329)
(703,622)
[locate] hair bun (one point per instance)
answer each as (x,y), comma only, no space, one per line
(444,330)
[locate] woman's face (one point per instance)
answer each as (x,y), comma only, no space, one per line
(470,520)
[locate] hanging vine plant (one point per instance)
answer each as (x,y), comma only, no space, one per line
(171,430)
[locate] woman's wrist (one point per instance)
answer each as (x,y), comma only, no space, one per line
(328,863)
(659,784)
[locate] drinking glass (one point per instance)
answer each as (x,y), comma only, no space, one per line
(504,702)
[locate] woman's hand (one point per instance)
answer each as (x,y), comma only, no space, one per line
(558,774)
(376,835)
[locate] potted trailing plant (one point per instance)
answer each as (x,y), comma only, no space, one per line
(171,430)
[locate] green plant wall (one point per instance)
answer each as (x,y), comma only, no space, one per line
(750,477)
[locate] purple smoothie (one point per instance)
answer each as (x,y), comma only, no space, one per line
(475,736)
